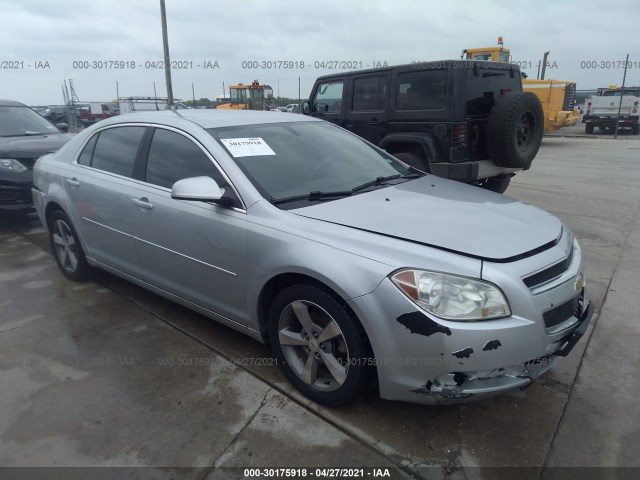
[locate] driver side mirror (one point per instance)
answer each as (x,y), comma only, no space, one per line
(202,189)
(63,126)
(306,108)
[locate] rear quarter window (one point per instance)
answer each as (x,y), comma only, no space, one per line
(87,151)
(116,148)
(422,90)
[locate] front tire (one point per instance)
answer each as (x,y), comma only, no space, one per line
(66,247)
(588,128)
(319,345)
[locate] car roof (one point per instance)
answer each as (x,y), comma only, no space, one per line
(11,103)
(428,65)
(211,118)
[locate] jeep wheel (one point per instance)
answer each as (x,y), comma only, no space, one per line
(496,184)
(514,130)
(588,128)
(413,160)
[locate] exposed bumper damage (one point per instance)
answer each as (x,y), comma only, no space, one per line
(458,386)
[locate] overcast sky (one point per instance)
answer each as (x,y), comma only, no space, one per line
(580,34)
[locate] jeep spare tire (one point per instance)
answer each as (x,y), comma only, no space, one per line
(514,130)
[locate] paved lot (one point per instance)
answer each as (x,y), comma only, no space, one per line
(105,373)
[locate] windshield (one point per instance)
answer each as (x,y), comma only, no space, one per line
(257,99)
(289,159)
(22,121)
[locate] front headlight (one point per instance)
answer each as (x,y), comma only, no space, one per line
(451,297)
(12,165)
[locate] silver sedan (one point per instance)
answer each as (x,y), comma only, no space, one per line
(359,271)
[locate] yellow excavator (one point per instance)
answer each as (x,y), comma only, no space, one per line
(558,97)
(248,97)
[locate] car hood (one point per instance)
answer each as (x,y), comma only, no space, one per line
(447,215)
(32,146)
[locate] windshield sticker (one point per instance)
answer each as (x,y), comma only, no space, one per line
(247,147)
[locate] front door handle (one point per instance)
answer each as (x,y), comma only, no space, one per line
(73,182)
(142,203)
(374,123)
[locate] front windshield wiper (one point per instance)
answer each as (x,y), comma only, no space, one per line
(318,195)
(381,180)
(315,195)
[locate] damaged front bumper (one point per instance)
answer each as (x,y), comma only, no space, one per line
(455,387)
(421,360)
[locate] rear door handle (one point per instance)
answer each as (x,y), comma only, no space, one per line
(73,182)
(142,203)
(374,123)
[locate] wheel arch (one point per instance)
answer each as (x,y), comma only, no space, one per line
(281,281)
(412,142)
(51,207)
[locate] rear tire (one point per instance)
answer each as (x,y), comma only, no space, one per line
(514,130)
(588,128)
(414,160)
(318,344)
(66,247)
(635,129)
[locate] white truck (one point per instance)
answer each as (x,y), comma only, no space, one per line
(612,105)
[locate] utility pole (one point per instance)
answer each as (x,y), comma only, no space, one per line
(193,94)
(165,46)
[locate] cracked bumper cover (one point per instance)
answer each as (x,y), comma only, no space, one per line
(458,361)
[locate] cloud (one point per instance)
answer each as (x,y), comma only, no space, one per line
(232,32)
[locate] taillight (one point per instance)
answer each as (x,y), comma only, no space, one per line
(504,90)
(460,134)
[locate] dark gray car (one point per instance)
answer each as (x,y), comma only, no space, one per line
(353,266)
(24,136)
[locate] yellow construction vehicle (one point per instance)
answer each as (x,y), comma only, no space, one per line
(248,97)
(558,97)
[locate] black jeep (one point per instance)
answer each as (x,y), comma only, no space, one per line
(464,120)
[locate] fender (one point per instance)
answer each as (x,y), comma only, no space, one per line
(425,140)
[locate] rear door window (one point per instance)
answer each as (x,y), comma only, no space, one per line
(116,148)
(369,93)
